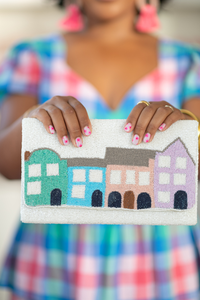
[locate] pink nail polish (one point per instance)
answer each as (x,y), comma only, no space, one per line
(162,127)
(79,142)
(128,127)
(146,137)
(135,139)
(65,140)
(51,129)
(86,130)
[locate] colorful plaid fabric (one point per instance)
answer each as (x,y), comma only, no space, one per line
(101,262)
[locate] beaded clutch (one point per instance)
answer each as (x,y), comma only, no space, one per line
(109,180)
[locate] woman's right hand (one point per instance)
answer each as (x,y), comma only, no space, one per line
(66,116)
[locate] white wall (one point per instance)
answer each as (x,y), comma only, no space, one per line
(19,24)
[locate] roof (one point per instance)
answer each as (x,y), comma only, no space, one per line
(116,156)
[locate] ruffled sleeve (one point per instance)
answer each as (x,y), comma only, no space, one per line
(19,72)
(191,83)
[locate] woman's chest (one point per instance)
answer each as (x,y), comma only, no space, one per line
(111,80)
(112,72)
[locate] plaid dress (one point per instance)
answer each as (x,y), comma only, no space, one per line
(101,262)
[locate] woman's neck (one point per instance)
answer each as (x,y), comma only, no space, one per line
(113,30)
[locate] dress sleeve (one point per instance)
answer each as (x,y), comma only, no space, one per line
(191,84)
(19,72)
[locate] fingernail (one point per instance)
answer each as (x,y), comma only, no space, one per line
(135,139)
(162,127)
(51,129)
(146,137)
(78,142)
(86,130)
(65,140)
(128,127)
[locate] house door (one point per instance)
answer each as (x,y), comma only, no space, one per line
(97,198)
(114,199)
(143,201)
(129,200)
(56,196)
(180,200)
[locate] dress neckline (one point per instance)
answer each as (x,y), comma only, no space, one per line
(130,90)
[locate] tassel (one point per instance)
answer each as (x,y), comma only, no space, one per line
(148,19)
(73,21)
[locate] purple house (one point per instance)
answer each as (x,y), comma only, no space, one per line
(174,177)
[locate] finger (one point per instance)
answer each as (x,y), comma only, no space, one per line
(157,119)
(142,123)
(43,116)
(59,123)
(171,118)
(82,115)
(133,117)
(72,123)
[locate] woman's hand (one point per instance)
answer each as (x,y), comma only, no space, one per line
(146,120)
(66,116)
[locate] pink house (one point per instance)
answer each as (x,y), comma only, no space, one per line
(129,181)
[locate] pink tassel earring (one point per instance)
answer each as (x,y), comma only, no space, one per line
(73,20)
(148,19)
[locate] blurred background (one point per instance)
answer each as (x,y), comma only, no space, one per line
(27,19)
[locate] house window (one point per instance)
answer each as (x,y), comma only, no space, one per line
(164,197)
(52,169)
(164,178)
(130,177)
(179,179)
(34,170)
(181,163)
(79,175)
(115,177)
(78,191)
(34,188)
(95,176)
(144,178)
(164,161)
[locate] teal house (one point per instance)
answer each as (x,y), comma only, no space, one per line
(46,181)
(86,182)
(86,186)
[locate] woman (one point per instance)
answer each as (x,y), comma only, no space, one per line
(100,72)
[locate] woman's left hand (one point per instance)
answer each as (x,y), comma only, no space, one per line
(146,120)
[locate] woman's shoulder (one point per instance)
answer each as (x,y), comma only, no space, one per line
(178,49)
(43,45)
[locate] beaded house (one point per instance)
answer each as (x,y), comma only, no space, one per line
(125,178)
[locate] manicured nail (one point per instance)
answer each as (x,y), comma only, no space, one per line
(86,130)
(128,127)
(65,140)
(135,139)
(51,129)
(162,127)
(146,137)
(78,142)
